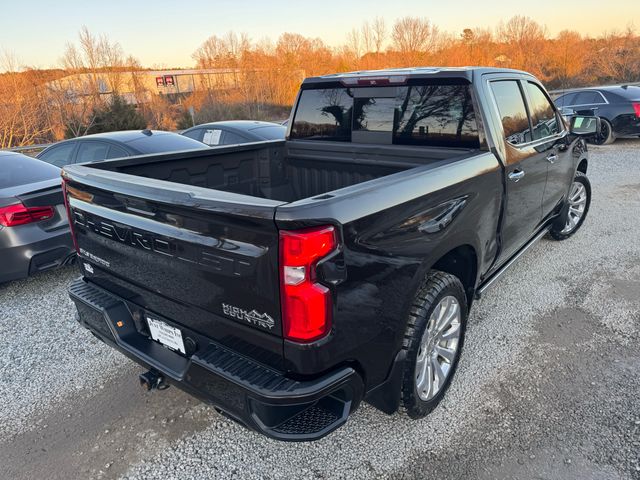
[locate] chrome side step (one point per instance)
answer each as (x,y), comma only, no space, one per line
(490,281)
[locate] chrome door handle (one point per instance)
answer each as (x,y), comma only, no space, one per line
(552,158)
(516,175)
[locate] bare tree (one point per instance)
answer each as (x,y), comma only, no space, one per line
(524,42)
(379,33)
(23,115)
(414,38)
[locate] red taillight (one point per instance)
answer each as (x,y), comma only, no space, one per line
(306,304)
(636,108)
(18,214)
(66,204)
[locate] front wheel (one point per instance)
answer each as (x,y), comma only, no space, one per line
(576,210)
(433,341)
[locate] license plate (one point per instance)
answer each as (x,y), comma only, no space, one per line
(166,334)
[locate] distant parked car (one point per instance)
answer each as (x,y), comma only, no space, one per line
(236,131)
(34,232)
(618,108)
(103,146)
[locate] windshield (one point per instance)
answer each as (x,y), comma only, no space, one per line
(276,132)
(434,115)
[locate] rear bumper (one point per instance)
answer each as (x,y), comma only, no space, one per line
(24,254)
(257,396)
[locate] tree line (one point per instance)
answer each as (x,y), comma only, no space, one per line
(36,106)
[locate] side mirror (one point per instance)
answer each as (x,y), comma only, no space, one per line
(584,125)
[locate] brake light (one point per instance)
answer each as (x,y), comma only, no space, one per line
(306,304)
(18,214)
(636,108)
(65,180)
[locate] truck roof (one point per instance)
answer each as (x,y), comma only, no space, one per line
(465,73)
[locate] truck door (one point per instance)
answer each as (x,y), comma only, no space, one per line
(525,167)
(549,136)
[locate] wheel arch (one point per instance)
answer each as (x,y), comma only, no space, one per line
(461,262)
(582,166)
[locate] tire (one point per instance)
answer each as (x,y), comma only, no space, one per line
(420,341)
(606,136)
(560,229)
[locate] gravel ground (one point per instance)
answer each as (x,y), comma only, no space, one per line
(547,386)
(45,356)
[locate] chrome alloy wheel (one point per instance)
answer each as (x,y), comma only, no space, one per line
(577,205)
(438,348)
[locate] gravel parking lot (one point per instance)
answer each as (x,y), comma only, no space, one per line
(548,385)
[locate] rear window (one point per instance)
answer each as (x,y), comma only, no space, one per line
(270,133)
(431,115)
(630,92)
(16,169)
(158,143)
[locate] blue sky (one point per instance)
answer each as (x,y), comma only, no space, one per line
(164,33)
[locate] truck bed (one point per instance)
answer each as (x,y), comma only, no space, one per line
(278,170)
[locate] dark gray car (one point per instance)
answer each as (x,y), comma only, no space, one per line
(34,232)
(105,146)
(234,132)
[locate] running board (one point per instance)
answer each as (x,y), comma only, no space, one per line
(490,281)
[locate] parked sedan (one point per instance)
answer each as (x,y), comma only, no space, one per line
(34,232)
(103,146)
(618,108)
(236,131)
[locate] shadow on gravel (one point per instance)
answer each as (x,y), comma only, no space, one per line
(99,437)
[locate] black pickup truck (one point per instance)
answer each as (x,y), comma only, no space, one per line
(285,282)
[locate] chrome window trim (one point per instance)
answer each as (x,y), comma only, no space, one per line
(606,102)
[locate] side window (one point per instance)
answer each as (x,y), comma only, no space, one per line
(196,134)
(565,100)
(230,138)
(92,152)
(513,113)
(58,156)
(116,152)
(211,136)
(588,98)
(543,116)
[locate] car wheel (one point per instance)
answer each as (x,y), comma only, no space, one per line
(576,209)
(433,342)
(606,135)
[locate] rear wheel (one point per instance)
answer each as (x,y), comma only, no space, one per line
(606,135)
(576,210)
(433,341)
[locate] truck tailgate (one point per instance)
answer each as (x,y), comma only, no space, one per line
(194,257)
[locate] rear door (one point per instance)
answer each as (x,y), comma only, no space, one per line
(196,258)
(525,168)
(550,144)
(91,151)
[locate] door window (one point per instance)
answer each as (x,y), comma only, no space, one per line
(116,152)
(211,136)
(587,98)
(543,116)
(196,134)
(92,152)
(513,113)
(230,138)
(59,155)
(565,100)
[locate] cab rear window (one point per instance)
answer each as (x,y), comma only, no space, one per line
(432,115)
